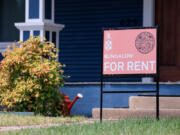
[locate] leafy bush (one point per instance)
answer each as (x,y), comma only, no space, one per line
(30,77)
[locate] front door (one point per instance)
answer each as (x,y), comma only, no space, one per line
(168,19)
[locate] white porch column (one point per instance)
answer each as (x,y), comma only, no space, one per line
(148,21)
(148,13)
(39,20)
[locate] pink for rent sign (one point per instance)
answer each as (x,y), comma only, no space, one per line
(130,51)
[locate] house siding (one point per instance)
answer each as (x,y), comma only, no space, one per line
(81,39)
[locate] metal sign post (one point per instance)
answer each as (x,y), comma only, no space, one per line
(141,58)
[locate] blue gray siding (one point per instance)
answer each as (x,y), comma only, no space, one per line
(81,39)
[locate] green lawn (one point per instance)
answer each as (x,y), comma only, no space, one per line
(20,120)
(123,127)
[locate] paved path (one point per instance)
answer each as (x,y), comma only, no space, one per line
(10,128)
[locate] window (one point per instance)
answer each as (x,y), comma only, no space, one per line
(36,33)
(26,35)
(48,9)
(11,11)
(33,9)
(47,35)
(54,37)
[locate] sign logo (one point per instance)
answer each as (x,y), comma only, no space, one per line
(108,42)
(145,42)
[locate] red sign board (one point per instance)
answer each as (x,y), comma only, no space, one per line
(130,51)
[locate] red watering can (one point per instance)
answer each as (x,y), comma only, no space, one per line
(68,103)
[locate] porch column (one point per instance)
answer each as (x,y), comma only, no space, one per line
(148,21)
(39,21)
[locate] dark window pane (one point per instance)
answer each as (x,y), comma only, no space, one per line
(48,5)
(11,11)
(47,35)
(26,35)
(36,33)
(33,9)
(54,37)
(1,56)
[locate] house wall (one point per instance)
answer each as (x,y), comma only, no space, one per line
(91,95)
(81,44)
(80,49)
(81,39)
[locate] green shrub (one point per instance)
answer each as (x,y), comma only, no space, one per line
(30,77)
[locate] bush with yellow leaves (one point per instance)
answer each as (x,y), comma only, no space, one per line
(30,77)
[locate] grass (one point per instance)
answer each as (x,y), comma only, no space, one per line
(20,120)
(123,127)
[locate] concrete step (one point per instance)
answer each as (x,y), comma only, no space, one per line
(149,102)
(121,113)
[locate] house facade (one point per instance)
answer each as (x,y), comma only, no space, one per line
(76,29)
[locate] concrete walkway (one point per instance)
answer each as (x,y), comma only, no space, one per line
(10,128)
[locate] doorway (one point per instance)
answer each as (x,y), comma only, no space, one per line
(167,17)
